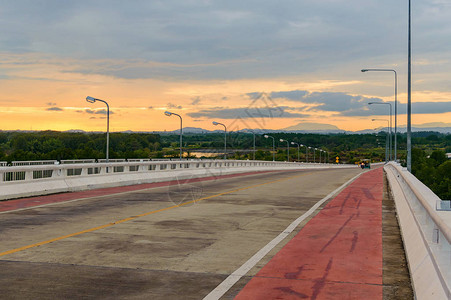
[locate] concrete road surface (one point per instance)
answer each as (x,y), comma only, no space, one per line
(155,243)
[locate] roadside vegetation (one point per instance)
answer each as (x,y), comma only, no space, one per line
(429,162)
(433,170)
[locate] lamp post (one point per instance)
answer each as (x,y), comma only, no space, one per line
(93,100)
(273,146)
(168,113)
(390,138)
(386,140)
(409,98)
(314,154)
(225,138)
(396,104)
(293,143)
(320,155)
(288,149)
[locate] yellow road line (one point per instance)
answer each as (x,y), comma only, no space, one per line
(142,215)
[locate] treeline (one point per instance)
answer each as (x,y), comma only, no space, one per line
(45,145)
(429,162)
(350,148)
(433,170)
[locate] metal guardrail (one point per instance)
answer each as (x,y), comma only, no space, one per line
(77,161)
(33,162)
(435,226)
(34,172)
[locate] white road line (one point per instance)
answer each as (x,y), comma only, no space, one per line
(79,199)
(233,278)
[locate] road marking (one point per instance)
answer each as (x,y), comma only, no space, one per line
(73,200)
(142,215)
(233,278)
(200,179)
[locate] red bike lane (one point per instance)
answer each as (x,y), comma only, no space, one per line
(337,255)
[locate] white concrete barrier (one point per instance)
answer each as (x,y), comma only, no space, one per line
(426,234)
(33,180)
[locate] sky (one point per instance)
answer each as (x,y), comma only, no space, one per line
(246,64)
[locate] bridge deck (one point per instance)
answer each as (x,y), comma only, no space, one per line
(179,239)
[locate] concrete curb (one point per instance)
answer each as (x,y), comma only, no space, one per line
(425,279)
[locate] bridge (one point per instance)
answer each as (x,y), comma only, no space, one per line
(220,229)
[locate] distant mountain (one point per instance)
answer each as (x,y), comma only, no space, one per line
(311,126)
(189,130)
(193,130)
(305,127)
(435,126)
(432,125)
(435,129)
(75,131)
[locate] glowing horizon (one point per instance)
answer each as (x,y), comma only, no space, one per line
(280,70)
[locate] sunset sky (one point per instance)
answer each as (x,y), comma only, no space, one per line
(255,64)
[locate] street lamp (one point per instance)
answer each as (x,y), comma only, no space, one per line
(396,103)
(168,113)
(386,140)
(320,155)
(293,143)
(93,100)
(273,146)
(390,138)
(225,137)
(314,154)
(288,149)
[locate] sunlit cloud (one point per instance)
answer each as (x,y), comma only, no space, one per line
(247,113)
(282,62)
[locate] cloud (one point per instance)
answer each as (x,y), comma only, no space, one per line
(427,107)
(254,95)
(172,105)
(349,105)
(54,109)
(343,103)
(292,95)
(247,113)
(222,39)
(195,101)
(51,103)
(98,112)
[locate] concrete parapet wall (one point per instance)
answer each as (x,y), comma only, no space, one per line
(426,234)
(33,180)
